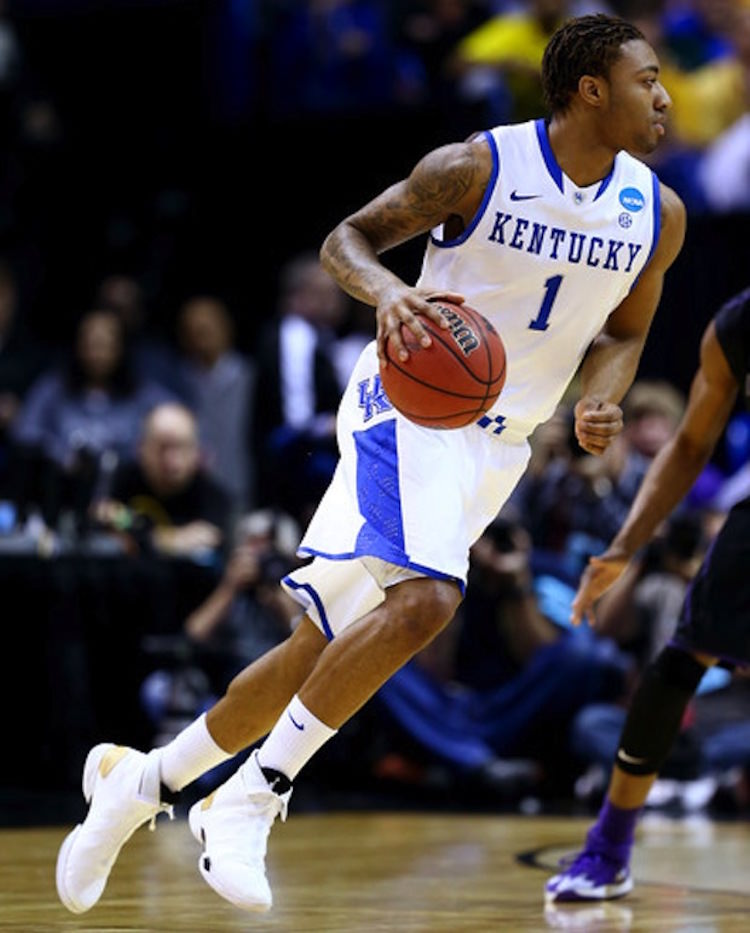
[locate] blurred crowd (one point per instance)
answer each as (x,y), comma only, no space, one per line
(125,438)
(476,63)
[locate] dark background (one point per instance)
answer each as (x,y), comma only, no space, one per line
(170,165)
(178,160)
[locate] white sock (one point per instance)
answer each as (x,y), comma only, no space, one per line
(191,753)
(294,739)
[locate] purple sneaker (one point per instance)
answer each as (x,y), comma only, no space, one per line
(590,876)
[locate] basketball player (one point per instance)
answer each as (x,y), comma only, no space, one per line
(715,621)
(562,239)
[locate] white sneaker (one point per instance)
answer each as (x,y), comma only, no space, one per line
(233,824)
(122,786)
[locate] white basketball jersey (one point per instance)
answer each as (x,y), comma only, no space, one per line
(546,262)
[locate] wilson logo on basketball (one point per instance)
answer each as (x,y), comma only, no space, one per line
(461,332)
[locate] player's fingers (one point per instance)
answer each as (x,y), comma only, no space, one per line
(389,335)
(596,450)
(455,298)
(416,327)
(380,339)
(433,305)
(578,608)
(396,342)
(599,428)
(592,445)
(605,413)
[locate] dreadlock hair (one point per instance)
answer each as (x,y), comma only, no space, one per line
(586,45)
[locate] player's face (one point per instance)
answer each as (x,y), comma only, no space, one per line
(638,103)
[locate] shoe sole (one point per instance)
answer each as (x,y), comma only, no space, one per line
(610,893)
(60,870)
(211,880)
(88,782)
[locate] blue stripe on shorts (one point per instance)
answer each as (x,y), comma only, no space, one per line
(379,494)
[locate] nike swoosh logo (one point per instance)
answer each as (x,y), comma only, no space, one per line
(515,196)
(630,759)
(297,725)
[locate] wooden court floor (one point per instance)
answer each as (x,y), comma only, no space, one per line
(361,872)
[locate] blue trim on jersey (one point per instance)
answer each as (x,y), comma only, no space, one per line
(657,225)
(605,181)
(554,168)
(315,597)
(465,234)
(657,214)
(549,156)
(409,564)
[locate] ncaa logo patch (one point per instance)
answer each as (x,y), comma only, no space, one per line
(632,199)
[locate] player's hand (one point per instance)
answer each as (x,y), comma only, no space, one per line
(404,307)
(597,578)
(597,423)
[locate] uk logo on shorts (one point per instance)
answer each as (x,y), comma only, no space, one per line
(372,398)
(632,199)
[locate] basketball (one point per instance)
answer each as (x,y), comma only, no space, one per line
(455,380)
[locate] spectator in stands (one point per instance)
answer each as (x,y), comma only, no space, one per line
(153,355)
(355,331)
(220,382)
(723,170)
(697,31)
(429,31)
(80,417)
(243,616)
(21,361)
(578,501)
(500,62)
(703,59)
(248,613)
(708,91)
(165,501)
(298,390)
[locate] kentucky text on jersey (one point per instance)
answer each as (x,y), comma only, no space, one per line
(560,244)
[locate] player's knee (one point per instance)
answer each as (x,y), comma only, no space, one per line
(425,608)
(657,709)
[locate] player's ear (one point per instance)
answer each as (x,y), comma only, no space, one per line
(591,90)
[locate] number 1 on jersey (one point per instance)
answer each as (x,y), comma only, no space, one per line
(551,286)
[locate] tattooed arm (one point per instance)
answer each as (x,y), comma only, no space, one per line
(446,186)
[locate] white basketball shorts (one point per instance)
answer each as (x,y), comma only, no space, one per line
(414,498)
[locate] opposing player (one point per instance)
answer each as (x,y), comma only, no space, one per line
(715,620)
(559,236)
